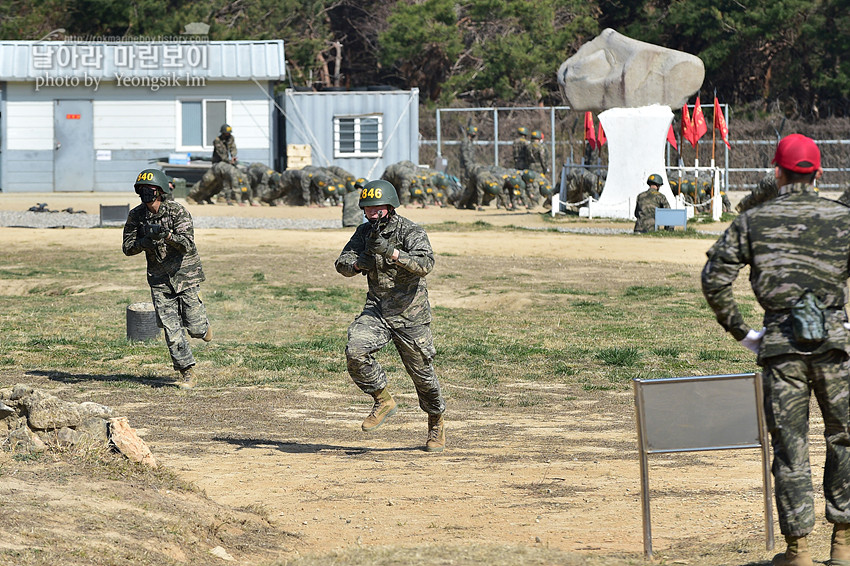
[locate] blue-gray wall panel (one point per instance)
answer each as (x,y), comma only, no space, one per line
(28,171)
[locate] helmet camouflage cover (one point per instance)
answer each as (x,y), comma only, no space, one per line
(376,193)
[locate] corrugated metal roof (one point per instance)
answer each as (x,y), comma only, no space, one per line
(211,60)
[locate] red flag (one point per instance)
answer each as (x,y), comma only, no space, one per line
(589,131)
(671,138)
(700,127)
(688,127)
(720,123)
(600,138)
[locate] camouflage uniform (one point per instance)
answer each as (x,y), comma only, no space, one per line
(401,175)
(221,177)
(224,149)
(765,190)
(511,186)
(794,243)
(396,309)
(536,185)
(522,153)
(538,156)
(647,202)
(174,274)
(261,180)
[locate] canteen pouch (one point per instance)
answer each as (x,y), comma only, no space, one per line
(807,319)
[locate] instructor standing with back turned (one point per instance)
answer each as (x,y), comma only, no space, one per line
(797,246)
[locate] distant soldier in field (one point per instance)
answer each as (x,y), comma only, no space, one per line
(260,179)
(224,146)
(536,184)
(796,247)
(400,175)
(163,230)
(395,256)
(468,162)
(521,149)
(222,178)
(538,154)
(647,202)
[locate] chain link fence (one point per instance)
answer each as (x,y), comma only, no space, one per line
(753,143)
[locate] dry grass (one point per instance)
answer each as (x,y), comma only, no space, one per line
(514,333)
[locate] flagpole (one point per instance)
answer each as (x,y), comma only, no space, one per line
(696,165)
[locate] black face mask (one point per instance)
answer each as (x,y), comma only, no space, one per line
(147,194)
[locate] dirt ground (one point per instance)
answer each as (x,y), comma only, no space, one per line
(563,475)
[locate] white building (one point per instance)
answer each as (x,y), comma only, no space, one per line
(90,116)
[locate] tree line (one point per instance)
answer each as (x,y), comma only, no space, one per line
(760,55)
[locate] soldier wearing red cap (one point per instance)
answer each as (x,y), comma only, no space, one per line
(797,246)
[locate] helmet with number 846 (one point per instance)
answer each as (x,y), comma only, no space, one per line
(376,193)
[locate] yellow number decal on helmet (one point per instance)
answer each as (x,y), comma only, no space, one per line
(144,177)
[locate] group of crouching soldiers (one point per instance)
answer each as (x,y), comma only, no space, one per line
(257,184)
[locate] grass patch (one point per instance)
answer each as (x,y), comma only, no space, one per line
(621,357)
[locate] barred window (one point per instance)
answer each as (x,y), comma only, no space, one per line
(358,136)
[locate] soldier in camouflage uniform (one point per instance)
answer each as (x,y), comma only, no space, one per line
(395,256)
(222,178)
(521,149)
(261,180)
(765,190)
(224,146)
(538,153)
(536,184)
(401,175)
(647,202)
(797,247)
(163,229)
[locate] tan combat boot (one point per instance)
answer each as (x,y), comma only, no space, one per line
(385,406)
(436,434)
(189,379)
(797,553)
(839,554)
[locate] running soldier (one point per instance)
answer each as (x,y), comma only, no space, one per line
(163,229)
(395,255)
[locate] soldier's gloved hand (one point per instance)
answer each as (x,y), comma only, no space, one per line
(380,245)
(365,262)
(157,232)
(147,243)
(752,341)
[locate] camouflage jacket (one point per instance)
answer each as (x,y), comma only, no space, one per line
(793,242)
(224,150)
(396,288)
(522,155)
(258,177)
(538,156)
(647,202)
(175,263)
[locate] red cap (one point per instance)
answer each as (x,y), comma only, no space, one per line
(797,153)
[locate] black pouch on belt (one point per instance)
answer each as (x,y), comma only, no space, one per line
(807,319)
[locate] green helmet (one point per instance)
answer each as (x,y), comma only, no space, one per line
(535,135)
(472,131)
(523,131)
(155,178)
(655,180)
(225,129)
(376,193)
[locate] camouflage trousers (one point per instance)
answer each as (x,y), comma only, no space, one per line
(788,382)
(369,333)
(179,313)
